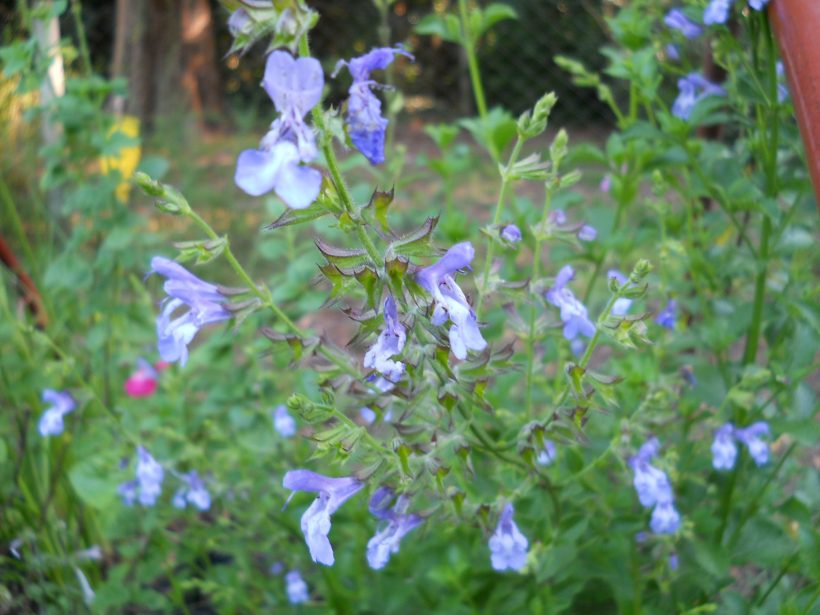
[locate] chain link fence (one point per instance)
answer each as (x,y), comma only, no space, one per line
(516,57)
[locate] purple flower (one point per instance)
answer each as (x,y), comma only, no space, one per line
(450,302)
(546,456)
(557,217)
(691,90)
(667,316)
(239,22)
(508,546)
(51,422)
(758,5)
(332,493)
(205,306)
(724,450)
(665,519)
(677,20)
(193,493)
(751,437)
(283,422)
(511,233)
(573,312)
(672,52)
(390,343)
(295,86)
(606,183)
(149,477)
(364,119)
(296,588)
(654,489)
(367,414)
(673,561)
(621,305)
(387,540)
(717,11)
(148,485)
(587,233)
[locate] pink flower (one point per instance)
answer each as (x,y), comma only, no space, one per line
(143,382)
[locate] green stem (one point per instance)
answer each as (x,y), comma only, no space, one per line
(770,158)
(76,12)
(499,209)
(536,274)
(468,43)
(264,295)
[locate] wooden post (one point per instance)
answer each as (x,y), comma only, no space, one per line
(797,25)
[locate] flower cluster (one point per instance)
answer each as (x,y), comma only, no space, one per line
(398,524)
(51,422)
(192,492)
(295,86)
(365,123)
(389,344)
(206,305)
(724,449)
(147,487)
(691,90)
(449,299)
(654,489)
(508,546)
(717,11)
(677,20)
(573,312)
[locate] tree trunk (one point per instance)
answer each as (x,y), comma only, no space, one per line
(167,51)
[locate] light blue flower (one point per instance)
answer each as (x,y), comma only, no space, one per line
(283,422)
(677,20)
(667,317)
(654,489)
(546,456)
(691,90)
(665,519)
(367,414)
(724,450)
(296,588)
(672,52)
(149,477)
(204,302)
(193,492)
(364,119)
(508,546)
(387,540)
(717,11)
(573,312)
(51,422)
(511,233)
(449,299)
(389,343)
(758,5)
(751,436)
(332,493)
(587,233)
(295,86)
(621,305)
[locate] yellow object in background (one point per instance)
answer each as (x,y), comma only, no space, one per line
(128,158)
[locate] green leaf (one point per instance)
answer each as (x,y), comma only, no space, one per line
(415,243)
(446,27)
(493,14)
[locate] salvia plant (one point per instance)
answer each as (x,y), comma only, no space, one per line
(597,402)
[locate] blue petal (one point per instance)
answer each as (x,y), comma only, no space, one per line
(298,186)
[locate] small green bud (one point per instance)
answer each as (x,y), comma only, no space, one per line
(558,149)
(641,270)
(149,186)
(543,107)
